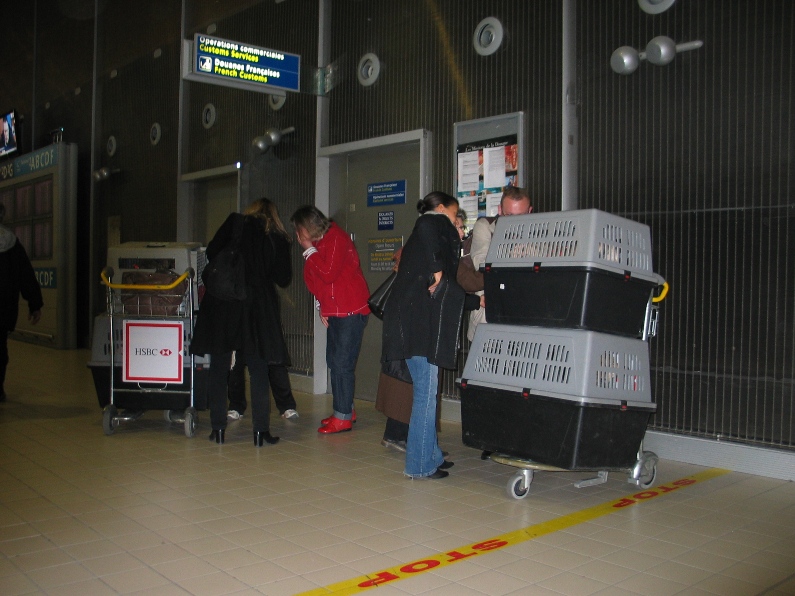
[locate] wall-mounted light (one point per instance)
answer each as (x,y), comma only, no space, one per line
(488,36)
(368,69)
(655,6)
(659,51)
(104,173)
(271,138)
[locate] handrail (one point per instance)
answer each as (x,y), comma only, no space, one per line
(107,273)
(664,293)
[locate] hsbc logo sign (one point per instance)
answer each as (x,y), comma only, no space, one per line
(153,351)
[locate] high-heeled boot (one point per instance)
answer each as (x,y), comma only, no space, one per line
(218,435)
(260,436)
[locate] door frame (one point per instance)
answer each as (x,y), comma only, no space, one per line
(325,200)
(186,196)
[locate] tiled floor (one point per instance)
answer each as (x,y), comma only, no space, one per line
(149,510)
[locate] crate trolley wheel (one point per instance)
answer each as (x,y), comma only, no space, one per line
(154,303)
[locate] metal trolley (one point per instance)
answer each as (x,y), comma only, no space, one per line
(559,378)
(151,302)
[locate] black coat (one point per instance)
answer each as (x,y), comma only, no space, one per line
(16,277)
(254,324)
(416,323)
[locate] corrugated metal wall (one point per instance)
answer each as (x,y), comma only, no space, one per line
(699,149)
(432,77)
(702,150)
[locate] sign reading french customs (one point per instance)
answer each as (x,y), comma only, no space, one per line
(386,193)
(235,64)
(152,352)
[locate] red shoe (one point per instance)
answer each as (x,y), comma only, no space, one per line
(335,425)
(325,421)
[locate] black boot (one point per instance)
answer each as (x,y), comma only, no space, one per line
(218,436)
(260,436)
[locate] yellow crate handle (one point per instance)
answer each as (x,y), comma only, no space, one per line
(663,294)
(107,273)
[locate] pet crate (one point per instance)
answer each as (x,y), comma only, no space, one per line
(582,269)
(570,398)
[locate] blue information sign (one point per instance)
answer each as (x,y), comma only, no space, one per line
(239,63)
(46,277)
(29,163)
(386,193)
(386,220)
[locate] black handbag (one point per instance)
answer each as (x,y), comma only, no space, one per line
(378,299)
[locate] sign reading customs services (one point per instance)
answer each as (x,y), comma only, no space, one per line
(242,65)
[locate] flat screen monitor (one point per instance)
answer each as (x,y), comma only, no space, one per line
(9,142)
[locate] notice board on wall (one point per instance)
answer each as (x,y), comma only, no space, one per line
(490,155)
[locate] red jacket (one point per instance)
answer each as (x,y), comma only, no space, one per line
(332,273)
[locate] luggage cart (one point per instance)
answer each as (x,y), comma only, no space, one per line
(153,302)
(643,474)
(559,378)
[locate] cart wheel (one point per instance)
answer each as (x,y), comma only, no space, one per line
(645,471)
(647,481)
(108,422)
(518,486)
(190,422)
(167,416)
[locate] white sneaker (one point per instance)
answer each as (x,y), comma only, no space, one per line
(290,414)
(234,415)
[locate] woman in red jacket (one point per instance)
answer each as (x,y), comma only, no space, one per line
(333,275)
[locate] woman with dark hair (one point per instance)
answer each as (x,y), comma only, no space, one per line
(422,323)
(333,275)
(251,326)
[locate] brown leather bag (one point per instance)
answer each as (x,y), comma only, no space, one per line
(160,303)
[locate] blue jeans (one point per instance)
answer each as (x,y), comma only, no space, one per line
(423,455)
(342,351)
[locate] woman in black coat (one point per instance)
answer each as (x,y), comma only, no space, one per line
(252,326)
(422,323)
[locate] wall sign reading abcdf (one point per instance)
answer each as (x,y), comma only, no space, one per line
(234,64)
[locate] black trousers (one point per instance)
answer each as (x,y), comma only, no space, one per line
(3,358)
(217,381)
(278,379)
(396,430)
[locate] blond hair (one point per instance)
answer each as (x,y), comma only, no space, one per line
(266,212)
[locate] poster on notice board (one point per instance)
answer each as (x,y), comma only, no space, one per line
(484,169)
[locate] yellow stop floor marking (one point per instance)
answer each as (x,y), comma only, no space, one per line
(371,580)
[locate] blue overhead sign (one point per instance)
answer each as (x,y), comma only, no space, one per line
(386,193)
(240,65)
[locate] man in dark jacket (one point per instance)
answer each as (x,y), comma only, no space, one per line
(16,276)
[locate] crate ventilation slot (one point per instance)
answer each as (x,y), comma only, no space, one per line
(612,374)
(624,247)
(544,249)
